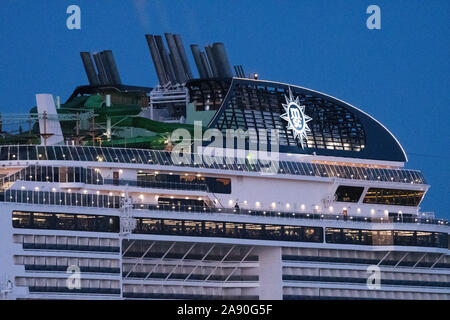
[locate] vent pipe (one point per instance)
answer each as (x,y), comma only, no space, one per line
(221,60)
(101,70)
(176,59)
(206,65)
(108,60)
(212,61)
(157,61)
(199,62)
(170,74)
(183,57)
(89,68)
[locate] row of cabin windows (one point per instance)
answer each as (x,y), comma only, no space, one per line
(383,196)
(215,185)
(100,223)
(65,221)
(229,230)
(386,237)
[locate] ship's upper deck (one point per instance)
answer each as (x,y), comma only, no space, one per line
(335,128)
(23,154)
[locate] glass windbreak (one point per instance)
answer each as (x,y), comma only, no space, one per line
(141,156)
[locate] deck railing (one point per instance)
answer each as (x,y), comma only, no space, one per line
(106,201)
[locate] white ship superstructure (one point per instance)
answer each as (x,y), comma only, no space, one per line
(82,220)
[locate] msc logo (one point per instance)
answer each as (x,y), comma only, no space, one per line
(296,118)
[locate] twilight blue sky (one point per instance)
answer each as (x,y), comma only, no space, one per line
(399,74)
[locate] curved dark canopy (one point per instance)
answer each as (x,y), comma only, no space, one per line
(336,128)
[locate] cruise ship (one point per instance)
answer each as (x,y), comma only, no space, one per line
(104,197)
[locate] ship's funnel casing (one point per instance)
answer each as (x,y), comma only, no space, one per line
(49,127)
(157,61)
(221,60)
(89,68)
